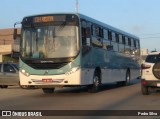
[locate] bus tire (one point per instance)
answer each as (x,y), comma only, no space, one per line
(48,90)
(23,86)
(144,90)
(96,83)
(127,80)
(128,77)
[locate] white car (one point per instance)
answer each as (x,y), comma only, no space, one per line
(150,77)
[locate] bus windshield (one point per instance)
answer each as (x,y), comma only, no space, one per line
(54,41)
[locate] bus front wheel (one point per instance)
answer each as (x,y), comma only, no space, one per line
(96,83)
(48,90)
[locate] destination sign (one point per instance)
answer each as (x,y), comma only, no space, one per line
(43,19)
(50,19)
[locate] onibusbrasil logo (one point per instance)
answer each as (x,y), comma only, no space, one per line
(21,113)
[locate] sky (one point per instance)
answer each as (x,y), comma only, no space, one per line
(138,17)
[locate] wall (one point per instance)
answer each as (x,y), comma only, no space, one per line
(0,58)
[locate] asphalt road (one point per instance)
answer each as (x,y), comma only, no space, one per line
(110,97)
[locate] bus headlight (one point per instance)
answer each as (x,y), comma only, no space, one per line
(73,70)
(24,72)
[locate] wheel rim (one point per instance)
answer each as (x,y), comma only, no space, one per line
(96,81)
(127,77)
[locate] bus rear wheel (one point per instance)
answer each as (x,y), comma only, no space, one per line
(96,83)
(127,80)
(48,90)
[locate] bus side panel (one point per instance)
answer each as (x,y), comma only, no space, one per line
(113,65)
(135,73)
(113,75)
(87,76)
(87,65)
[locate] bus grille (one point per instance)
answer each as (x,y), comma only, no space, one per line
(47,65)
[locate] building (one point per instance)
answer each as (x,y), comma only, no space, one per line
(7,44)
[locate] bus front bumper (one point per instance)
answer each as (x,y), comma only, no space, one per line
(46,81)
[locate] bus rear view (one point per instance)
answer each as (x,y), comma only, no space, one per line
(49,54)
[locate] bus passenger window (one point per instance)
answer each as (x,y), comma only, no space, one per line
(113,36)
(121,48)
(101,33)
(109,35)
(120,39)
(117,38)
(105,33)
(137,44)
(97,42)
(106,44)
(123,39)
(83,36)
(137,48)
(86,33)
(121,44)
(115,46)
(129,41)
(127,46)
(126,40)
(134,43)
(93,30)
(97,31)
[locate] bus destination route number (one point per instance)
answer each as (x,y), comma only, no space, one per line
(43,19)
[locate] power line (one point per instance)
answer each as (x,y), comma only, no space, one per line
(148,34)
(150,37)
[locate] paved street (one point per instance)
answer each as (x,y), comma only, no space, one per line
(110,97)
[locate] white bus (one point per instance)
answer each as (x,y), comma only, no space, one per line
(67,49)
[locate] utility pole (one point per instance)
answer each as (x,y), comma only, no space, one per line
(76,6)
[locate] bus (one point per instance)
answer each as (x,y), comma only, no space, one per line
(71,49)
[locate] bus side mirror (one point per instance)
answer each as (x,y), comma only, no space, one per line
(15,30)
(15,34)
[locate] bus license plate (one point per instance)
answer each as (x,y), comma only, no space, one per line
(47,80)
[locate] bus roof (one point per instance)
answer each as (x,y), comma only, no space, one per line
(107,26)
(96,22)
